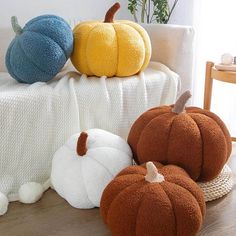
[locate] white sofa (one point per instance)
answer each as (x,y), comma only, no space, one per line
(35,120)
(172,45)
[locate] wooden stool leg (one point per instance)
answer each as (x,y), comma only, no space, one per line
(208,86)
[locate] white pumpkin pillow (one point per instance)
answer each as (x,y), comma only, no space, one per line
(82,168)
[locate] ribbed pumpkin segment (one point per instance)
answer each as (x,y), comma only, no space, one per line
(186,183)
(147,216)
(131,53)
(155,147)
(112,190)
(102,51)
(137,170)
(182,150)
(219,122)
(146,41)
(139,125)
(126,204)
(78,57)
(213,157)
(188,217)
(169,170)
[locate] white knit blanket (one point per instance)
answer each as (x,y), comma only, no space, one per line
(35,120)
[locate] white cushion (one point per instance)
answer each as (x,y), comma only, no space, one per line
(81,180)
(35,120)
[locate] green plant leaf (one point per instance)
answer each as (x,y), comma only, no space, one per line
(132,6)
(161,11)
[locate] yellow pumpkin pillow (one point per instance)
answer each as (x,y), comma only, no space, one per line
(120,48)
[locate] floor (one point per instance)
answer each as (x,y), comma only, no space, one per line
(53,216)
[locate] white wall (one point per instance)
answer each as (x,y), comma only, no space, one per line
(183,12)
(80,9)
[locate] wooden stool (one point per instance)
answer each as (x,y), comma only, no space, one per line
(213,73)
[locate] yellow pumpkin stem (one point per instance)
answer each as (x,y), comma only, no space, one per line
(179,106)
(111,12)
(152,175)
(81,144)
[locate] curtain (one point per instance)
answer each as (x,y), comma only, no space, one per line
(215,26)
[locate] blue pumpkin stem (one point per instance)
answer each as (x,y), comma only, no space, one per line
(15,26)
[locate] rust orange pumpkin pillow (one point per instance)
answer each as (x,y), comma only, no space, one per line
(192,138)
(159,201)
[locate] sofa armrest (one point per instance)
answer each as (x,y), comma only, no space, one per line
(172,45)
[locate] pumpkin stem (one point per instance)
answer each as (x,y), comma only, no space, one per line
(152,175)
(15,26)
(111,12)
(181,102)
(81,144)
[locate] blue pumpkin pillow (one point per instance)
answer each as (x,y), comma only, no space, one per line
(40,49)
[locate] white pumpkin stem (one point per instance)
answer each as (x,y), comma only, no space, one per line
(111,13)
(81,144)
(179,106)
(152,175)
(15,26)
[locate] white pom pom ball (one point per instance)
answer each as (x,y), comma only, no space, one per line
(30,192)
(3,204)
(227,59)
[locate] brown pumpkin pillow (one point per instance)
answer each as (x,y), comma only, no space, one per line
(191,137)
(160,200)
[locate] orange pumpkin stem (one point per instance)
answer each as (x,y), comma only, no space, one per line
(81,144)
(111,12)
(179,106)
(152,175)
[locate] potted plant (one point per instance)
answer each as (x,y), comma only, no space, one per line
(151,11)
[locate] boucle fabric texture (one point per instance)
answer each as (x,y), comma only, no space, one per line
(86,164)
(132,206)
(111,48)
(39,50)
(197,140)
(37,119)
(121,48)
